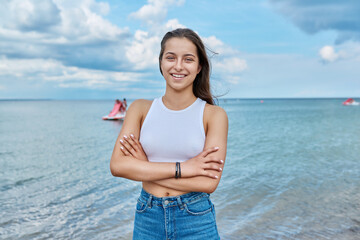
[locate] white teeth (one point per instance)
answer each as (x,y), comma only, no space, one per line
(178,76)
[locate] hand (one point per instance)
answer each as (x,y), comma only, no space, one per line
(200,164)
(130,146)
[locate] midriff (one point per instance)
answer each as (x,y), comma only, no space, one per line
(160,191)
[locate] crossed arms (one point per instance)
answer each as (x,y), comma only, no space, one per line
(201,173)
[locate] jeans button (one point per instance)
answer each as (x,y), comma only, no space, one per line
(166,202)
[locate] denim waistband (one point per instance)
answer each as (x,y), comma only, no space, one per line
(173,200)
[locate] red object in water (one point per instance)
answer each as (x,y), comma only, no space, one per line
(115,109)
(351,102)
(348,101)
(116,113)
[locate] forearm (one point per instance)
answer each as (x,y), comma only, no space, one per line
(138,170)
(193,184)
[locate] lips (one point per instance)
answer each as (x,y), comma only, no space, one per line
(178,75)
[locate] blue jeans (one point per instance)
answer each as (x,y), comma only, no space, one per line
(189,216)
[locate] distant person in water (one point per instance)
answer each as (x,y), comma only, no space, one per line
(123,106)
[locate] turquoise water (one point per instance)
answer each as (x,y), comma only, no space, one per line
(292,171)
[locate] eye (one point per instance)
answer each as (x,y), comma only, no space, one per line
(169,58)
(189,59)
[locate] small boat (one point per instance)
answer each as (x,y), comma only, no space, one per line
(115,114)
(351,102)
(119,116)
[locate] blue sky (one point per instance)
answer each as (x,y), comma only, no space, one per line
(87,49)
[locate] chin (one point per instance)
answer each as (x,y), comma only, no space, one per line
(180,87)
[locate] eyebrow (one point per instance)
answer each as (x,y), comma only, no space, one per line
(186,55)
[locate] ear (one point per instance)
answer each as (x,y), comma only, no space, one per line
(199,69)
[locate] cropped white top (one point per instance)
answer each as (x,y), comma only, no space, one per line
(173,136)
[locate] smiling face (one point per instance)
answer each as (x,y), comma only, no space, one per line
(179,64)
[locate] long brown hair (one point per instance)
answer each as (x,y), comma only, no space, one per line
(201,85)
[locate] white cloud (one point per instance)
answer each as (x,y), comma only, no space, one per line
(143,51)
(327,53)
(74,21)
(217,46)
(72,44)
(226,64)
(83,25)
(73,32)
(173,24)
(27,67)
(231,65)
(155,11)
(346,51)
(64,76)
(28,15)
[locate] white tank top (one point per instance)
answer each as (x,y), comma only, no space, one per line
(173,136)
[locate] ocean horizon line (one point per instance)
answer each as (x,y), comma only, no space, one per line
(131,99)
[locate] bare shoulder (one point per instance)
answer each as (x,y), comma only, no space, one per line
(140,104)
(134,117)
(139,107)
(214,113)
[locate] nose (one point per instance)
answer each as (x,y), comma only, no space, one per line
(179,65)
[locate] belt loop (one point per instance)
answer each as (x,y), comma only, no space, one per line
(181,205)
(149,201)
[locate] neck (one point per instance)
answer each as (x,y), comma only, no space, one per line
(178,100)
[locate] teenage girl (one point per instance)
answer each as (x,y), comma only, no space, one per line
(176,146)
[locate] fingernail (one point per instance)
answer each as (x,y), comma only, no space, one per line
(222,161)
(125,137)
(220,169)
(216,147)
(122,148)
(216,177)
(131,135)
(121,141)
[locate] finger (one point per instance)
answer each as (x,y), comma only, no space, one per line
(136,140)
(132,143)
(127,146)
(138,144)
(213,166)
(127,142)
(208,151)
(213,159)
(123,145)
(133,137)
(122,142)
(210,175)
(125,151)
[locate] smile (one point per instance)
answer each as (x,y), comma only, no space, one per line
(178,75)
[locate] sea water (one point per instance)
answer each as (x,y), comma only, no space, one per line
(292,171)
